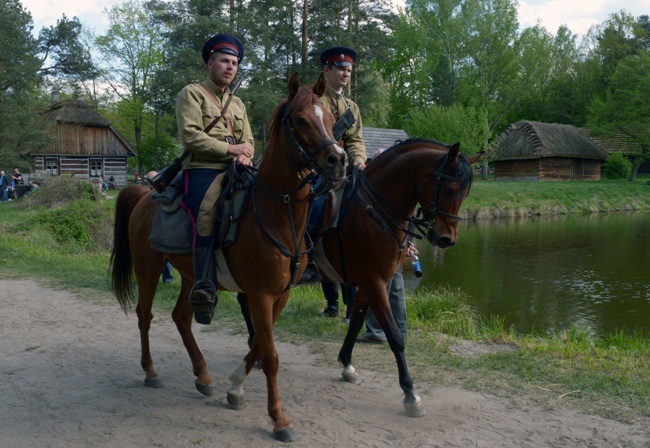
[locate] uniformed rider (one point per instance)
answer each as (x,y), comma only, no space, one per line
(211,152)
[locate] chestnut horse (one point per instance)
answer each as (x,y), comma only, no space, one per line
(374,222)
(264,261)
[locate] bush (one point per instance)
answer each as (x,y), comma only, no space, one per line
(617,166)
(84,222)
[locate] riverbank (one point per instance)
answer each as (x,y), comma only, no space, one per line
(490,199)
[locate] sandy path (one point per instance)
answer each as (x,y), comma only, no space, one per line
(70,377)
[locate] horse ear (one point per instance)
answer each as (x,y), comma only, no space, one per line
(320,85)
(475,158)
(453,152)
(294,85)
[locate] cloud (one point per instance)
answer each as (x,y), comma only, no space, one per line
(577,15)
(45,13)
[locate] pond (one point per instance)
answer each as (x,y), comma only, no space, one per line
(542,275)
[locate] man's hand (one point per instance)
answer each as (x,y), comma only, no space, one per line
(243,160)
(242,149)
(411,250)
(361,165)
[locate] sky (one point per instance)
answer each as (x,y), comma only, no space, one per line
(578,15)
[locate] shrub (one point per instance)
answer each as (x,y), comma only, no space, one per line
(617,166)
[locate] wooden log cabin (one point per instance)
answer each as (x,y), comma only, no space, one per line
(535,151)
(84,145)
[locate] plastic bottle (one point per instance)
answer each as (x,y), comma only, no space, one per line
(417,269)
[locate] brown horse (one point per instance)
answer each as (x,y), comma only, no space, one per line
(375,220)
(264,261)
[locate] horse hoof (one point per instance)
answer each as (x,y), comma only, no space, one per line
(153,382)
(285,435)
(350,375)
(415,409)
(235,401)
(205,389)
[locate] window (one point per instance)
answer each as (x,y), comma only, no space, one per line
(95,168)
(52,167)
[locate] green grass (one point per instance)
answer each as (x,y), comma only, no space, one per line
(447,343)
(489,199)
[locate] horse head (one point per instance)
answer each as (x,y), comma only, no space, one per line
(442,195)
(310,124)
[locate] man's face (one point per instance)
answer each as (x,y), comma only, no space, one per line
(222,69)
(337,77)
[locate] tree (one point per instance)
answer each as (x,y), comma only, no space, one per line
(626,109)
(19,79)
(132,53)
(452,124)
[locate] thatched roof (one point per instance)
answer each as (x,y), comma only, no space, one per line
(380,138)
(535,140)
(619,142)
(76,112)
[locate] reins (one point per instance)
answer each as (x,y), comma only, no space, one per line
(289,199)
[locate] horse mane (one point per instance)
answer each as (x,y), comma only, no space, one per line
(299,101)
(463,170)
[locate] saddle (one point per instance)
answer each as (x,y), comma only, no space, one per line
(224,205)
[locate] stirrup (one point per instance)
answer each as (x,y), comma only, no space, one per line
(310,277)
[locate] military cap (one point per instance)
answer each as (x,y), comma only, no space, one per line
(223,43)
(339,56)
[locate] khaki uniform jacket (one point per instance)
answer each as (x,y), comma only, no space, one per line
(353,142)
(195,110)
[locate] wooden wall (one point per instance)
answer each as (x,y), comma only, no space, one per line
(547,169)
(80,167)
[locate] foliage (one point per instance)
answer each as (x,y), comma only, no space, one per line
(450,125)
(72,212)
(617,166)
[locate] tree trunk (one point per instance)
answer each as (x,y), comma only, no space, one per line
(635,169)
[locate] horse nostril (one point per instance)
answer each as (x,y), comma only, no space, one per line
(445,242)
(333,160)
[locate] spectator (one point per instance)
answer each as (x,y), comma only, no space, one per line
(4,184)
(17,177)
(31,187)
(395,289)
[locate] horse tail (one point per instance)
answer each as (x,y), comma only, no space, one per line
(121,261)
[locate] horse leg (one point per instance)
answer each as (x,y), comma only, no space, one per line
(146,291)
(182,315)
(264,311)
(357,319)
(383,313)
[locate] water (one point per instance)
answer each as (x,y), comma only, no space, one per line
(542,275)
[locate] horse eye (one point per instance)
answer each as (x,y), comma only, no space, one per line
(299,122)
(448,191)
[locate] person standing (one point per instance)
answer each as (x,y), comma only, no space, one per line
(395,289)
(4,184)
(17,177)
(229,140)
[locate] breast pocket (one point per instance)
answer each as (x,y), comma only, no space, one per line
(238,124)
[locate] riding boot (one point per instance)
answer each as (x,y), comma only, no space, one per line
(331,293)
(203,295)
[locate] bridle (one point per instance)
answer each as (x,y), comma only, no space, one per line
(315,172)
(428,219)
(307,157)
(377,206)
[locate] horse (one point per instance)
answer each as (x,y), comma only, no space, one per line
(264,261)
(374,223)
(367,243)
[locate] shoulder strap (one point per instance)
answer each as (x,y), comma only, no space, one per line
(222,110)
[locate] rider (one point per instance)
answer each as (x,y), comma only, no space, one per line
(337,68)
(211,152)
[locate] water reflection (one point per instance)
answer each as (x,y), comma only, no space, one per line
(547,273)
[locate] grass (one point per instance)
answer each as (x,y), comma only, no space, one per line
(447,343)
